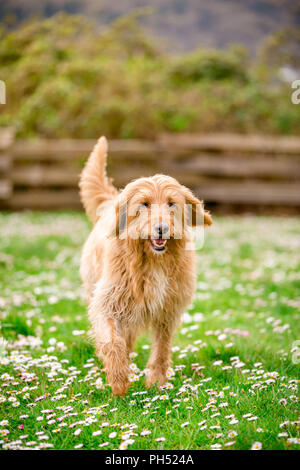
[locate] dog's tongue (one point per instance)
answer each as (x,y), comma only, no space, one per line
(159,241)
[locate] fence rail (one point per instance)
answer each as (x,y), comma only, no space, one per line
(221,169)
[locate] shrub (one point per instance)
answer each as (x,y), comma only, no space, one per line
(65,78)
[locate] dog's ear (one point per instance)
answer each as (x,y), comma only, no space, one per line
(196,215)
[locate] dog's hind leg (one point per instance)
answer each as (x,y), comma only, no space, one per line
(130,337)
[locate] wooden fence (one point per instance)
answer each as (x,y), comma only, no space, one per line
(222,169)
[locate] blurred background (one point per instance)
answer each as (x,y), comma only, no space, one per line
(199,90)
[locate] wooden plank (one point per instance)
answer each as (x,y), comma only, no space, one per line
(7,135)
(38,175)
(57,149)
(230,142)
(249,192)
(45,199)
(213,165)
(212,191)
(191,171)
(5,162)
(43,176)
(120,179)
(5,189)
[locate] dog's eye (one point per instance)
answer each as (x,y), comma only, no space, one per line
(145,204)
(171,204)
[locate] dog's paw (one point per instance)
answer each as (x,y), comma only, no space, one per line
(119,389)
(118,380)
(156,377)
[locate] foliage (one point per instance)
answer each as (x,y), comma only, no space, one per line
(235,374)
(65,78)
(282,48)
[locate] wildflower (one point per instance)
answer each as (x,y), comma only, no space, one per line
(233,421)
(252,418)
(282,401)
(132,377)
(99,384)
(185,424)
(216,446)
(293,440)
(164,397)
(256,446)
(170,373)
(132,355)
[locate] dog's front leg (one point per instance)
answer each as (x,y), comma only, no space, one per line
(112,349)
(161,353)
(115,359)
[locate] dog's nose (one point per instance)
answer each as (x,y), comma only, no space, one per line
(161,228)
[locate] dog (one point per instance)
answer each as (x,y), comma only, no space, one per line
(136,269)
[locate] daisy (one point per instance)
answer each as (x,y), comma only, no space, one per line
(183,425)
(256,446)
(216,446)
(164,397)
(104,444)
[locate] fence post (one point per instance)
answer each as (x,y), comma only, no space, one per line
(7,135)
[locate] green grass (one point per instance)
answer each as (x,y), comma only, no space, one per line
(233,355)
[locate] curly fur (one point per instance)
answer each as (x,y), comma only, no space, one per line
(128,285)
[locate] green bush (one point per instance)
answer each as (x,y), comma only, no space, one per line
(65,78)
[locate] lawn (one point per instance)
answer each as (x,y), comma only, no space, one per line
(235,373)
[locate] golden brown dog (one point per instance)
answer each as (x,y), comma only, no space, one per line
(137,265)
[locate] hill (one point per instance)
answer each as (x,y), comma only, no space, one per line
(181,25)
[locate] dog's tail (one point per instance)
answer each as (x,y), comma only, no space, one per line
(95,187)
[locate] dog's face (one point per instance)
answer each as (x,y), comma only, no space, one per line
(157,212)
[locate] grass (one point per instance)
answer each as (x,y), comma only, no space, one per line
(233,357)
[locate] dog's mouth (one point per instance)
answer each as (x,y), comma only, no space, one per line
(158,244)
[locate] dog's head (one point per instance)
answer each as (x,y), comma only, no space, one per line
(158,212)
